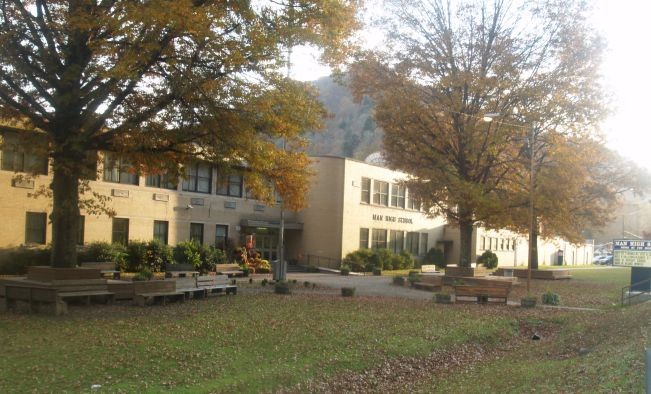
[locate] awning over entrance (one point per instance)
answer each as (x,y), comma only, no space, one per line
(270,224)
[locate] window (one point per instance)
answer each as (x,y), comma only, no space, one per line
(82,230)
(196,232)
(120,231)
(162,181)
(483,243)
(18,161)
(380,193)
(379,240)
(398,196)
(198,178)
(423,243)
(502,243)
(119,171)
(161,228)
(396,241)
(413,202)
(35,224)
(221,235)
(366,190)
(363,238)
(230,185)
(412,243)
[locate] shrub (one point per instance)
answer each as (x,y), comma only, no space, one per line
(550,298)
(16,261)
(259,266)
(144,274)
(366,260)
(158,256)
(103,252)
(306,284)
(344,270)
(347,291)
(188,252)
(210,256)
(282,288)
(359,260)
(414,276)
(435,256)
(488,259)
(399,280)
(136,255)
(377,272)
(264,282)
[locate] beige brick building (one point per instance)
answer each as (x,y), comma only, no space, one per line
(351,204)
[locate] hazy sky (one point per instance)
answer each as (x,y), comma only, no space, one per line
(626,69)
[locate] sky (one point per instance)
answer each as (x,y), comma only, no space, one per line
(626,71)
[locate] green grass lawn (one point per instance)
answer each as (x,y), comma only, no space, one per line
(255,342)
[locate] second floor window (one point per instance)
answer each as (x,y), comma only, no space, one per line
(18,161)
(119,171)
(230,185)
(198,178)
(381,193)
(398,196)
(366,190)
(163,181)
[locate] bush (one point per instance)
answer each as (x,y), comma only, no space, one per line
(259,266)
(103,252)
(144,274)
(488,259)
(16,261)
(399,280)
(158,256)
(435,256)
(282,288)
(377,272)
(210,256)
(347,291)
(366,260)
(359,260)
(188,252)
(136,255)
(550,298)
(414,276)
(264,282)
(344,270)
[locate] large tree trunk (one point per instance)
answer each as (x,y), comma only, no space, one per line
(465,243)
(65,210)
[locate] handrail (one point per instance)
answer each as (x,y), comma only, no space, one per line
(636,295)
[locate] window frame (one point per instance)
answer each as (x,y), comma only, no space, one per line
(230,185)
(35,228)
(380,193)
(379,238)
(193,234)
(364,237)
(161,181)
(217,236)
(164,236)
(118,235)
(366,190)
(398,198)
(192,179)
(116,170)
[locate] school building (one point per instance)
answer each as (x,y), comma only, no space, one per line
(351,205)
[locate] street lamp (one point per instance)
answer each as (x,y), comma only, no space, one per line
(533,251)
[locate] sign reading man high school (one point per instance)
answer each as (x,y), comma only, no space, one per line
(632,253)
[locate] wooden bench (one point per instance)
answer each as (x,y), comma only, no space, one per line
(54,294)
(189,286)
(482,294)
(429,282)
(216,284)
(180,271)
(106,268)
(229,269)
(153,291)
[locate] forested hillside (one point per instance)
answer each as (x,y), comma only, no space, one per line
(350,130)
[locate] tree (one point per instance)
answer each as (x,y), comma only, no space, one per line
(447,67)
(162,82)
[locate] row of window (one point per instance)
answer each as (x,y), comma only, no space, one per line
(198,178)
(36,227)
(394,240)
(378,192)
(494,243)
